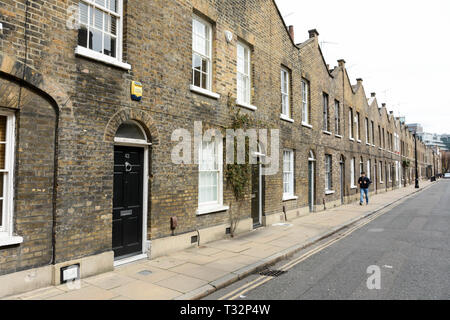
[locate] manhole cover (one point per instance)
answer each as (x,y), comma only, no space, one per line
(272,273)
(145,272)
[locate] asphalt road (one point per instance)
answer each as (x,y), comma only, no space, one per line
(409,245)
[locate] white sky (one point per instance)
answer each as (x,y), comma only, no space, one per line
(400,48)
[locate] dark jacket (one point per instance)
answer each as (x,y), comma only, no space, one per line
(364,183)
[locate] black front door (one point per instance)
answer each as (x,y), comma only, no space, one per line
(257,195)
(311,185)
(127,201)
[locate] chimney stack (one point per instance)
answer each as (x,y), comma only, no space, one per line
(373,94)
(383,105)
(313,33)
(291,32)
(341,63)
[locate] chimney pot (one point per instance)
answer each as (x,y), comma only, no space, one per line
(291,32)
(359,80)
(383,105)
(373,94)
(341,63)
(313,33)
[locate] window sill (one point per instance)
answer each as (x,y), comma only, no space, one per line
(327,192)
(338,136)
(359,141)
(87,53)
(286,118)
(246,105)
(307,125)
(351,139)
(368,144)
(353,187)
(9,241)
(204,92)
(373,145)
(211,209)
(287,198)
(327,132)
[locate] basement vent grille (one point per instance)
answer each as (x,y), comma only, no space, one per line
(272,273)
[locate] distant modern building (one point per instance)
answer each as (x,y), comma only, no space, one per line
(415,127)
(433,140)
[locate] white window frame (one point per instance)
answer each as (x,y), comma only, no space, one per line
(328,172)
(352,173)
(369,164)
(208,58)
(337,117)
(381,171)
(326,112)
(285,93)
(246,100)
(306,119)
(288,155)
(366,122)
(361,166)
(358,129)
(350,124)
(212,206)
(397,171)
(7,236)
(92,54)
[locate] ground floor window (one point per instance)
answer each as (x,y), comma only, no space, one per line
(7,126)
(210,174)
(328,173)
(288,173)
(352,173)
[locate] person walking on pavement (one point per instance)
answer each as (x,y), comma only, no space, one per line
(364,184)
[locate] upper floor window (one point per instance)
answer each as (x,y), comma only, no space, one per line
(305,102)
(358,129)
(243,73)
(366,122)
(326,113)
(350,123)
(285,94)
(100,31)
(372,130)
(337,109)
(201,53)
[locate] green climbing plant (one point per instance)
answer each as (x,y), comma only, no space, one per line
(238,176)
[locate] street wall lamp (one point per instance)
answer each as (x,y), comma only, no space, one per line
(415,155)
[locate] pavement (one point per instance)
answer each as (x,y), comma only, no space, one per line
(408,245)
(197,272)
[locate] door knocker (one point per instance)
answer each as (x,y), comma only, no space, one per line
(128,167)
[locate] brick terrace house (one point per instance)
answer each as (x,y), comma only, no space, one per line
(86,172)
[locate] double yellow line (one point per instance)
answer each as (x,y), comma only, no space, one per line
(263,279)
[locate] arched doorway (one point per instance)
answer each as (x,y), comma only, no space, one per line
(130,190)
(311,180)
(342,178)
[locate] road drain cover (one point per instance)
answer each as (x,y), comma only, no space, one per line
(272,273)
